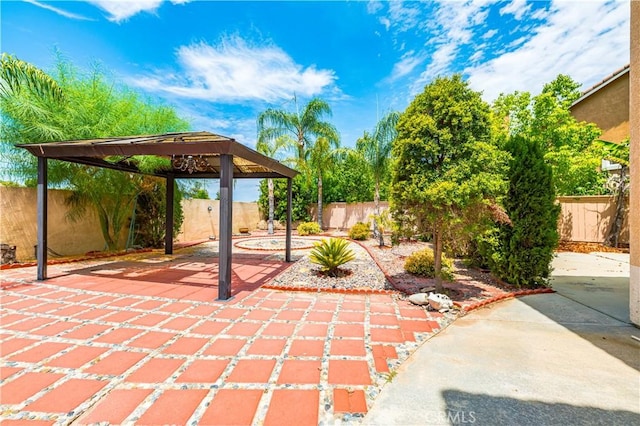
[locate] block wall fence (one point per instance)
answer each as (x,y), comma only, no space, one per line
(582,219)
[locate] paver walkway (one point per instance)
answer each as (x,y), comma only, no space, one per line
(147,344)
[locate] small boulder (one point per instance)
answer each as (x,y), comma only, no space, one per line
(419,299)
(439,302)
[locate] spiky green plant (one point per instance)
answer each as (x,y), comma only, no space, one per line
(331,254)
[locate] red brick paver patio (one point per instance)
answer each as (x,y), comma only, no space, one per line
(145,342)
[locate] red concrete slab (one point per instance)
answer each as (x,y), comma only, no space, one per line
(27,423)
(211,328)
(180,323)
(417,326)
(230,313)
(299,304)
(225,347)
(124,302)
(313,348)
(28,324)
(348,372)
(353,305)
(272,304)
(25,386)
(67,396)
(260,314)
(267,347)
(348,316)
(244,329)
(71,310)
(382,319)
(115,407)
(115,363)
(296,371)
(186,346)
(40,352)
(202,310)
(252,371)
(290,315)
(46,307)
(87,331)
(350,347)
(320,316)
(203,371)
(155,370)
(279,329)
(151,340)
(6,372)
(232,407)
(56,328)
(150,320)
(349,401)
(293,407)
(176,307)
(165,410)
(93,314)
(379,308)
(117,336)
(408,312)
(120,317)
(149,305)
(349,330)
(390,335)
(313,330)
(15,344)
(77,357)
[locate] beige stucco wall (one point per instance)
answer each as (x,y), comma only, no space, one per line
(200,222)
(634,88)
(608,108)
(345,215)
(18,224)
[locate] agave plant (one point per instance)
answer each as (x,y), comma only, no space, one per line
(330,254)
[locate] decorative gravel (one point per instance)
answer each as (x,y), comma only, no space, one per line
(362,273)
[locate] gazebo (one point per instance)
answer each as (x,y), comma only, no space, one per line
(192,155)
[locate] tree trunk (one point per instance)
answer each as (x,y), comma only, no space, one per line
(320,200)
(613,237)
(271,206)
(376,201)
(437,260)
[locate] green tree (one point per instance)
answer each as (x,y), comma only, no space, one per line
(527,244)
(569,146)
(302,196)
(196,190)
(351,180)
(90,107)
(270,147)
(445,170)
(299,128)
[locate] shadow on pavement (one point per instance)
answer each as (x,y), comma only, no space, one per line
(479,409)
(601,330)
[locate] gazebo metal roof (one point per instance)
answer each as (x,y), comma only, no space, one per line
(190,155)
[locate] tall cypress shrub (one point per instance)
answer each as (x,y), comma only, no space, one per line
(529,242)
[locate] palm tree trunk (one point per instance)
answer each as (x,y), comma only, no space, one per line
(613,236)
(271,206)
(320,200)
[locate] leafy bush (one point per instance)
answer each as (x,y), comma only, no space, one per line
(309,228)
(330,254)
(422,263)
(360,231)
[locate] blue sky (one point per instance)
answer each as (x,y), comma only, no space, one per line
(221,63)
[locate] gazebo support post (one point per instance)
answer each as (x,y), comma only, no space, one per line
(168,236)
(287,253)
(226,215)
(42,207)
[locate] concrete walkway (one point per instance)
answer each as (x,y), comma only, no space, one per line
(544,359)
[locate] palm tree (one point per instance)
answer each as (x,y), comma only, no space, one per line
(321,158)
(299,127)
(270,147)
(376,149)
(16,74)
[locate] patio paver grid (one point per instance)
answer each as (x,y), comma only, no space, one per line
(89,349)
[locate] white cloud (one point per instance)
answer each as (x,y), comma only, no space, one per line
(374,6)
(517,8)
(234,71)
(586,40)
(406,65)
(59,11)
(121,10)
